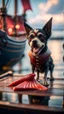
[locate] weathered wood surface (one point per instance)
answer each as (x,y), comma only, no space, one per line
(53,89)
(31,108)
(56,88)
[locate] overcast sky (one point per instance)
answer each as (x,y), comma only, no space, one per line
(42,11)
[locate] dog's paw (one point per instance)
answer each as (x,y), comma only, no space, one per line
(51,78)
(45,83)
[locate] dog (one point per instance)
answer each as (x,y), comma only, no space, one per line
(40,55)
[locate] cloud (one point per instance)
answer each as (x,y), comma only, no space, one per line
(46,6)
(44,16)
(57,18)
(57,8)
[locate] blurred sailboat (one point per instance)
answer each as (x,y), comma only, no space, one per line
(12,34)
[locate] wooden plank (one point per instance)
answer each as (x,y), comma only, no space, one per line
(8,80)
(4,82)
(49,92)
(56,88)
(56,78)
(61,86)
(52,88)
(31,107)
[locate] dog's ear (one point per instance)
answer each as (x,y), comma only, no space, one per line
(47,29)
(27,28)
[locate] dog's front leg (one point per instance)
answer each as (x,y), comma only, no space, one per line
(45,76)
(37,75)
(51,68)
(33,68)
(51,72)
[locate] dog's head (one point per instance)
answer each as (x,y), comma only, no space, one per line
(37,38)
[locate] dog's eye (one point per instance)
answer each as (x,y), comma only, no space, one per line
(40,35)
(32,36)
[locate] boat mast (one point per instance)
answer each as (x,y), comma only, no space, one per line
(15,11)
(15,17)
(4,14)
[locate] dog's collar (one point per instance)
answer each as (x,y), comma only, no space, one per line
(41,59)
(40,50)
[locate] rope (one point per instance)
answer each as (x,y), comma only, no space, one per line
(7,3)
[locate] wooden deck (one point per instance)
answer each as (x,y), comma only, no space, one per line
(56,90)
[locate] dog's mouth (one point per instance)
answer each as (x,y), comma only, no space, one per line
(37,50)
(37,46)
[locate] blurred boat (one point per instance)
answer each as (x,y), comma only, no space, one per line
(12,34)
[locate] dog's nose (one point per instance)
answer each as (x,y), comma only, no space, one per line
(34,42)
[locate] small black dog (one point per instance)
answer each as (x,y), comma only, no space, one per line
(39,54)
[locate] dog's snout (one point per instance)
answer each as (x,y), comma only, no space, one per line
(34,42)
